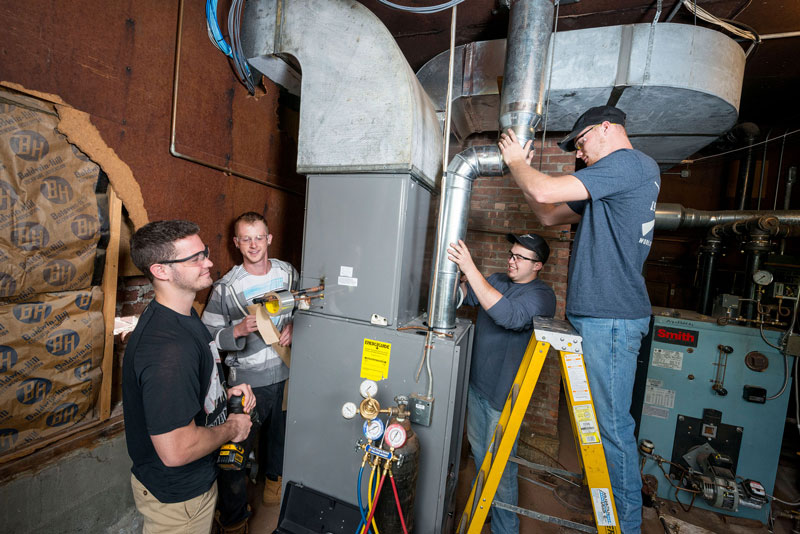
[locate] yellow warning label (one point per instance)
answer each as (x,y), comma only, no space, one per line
(375,359)
(586,423)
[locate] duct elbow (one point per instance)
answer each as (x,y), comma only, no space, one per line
(477,161)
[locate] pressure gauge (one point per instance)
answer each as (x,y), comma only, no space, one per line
(368,388)
(373,429)
(762,278)
(349,410)
(395,435)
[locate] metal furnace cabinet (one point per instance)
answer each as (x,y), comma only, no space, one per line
(327,357)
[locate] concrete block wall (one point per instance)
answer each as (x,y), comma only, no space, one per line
(86,491)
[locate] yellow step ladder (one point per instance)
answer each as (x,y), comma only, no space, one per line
(562,337)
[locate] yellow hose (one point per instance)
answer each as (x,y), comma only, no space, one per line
(369,501)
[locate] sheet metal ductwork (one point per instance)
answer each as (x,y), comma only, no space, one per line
(680,85)
(452,226)
(363,109)
(675,216)
(530,27)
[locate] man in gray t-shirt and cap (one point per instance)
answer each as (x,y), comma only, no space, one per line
(613,201)
(508,303)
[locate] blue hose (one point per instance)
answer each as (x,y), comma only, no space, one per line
(360,505)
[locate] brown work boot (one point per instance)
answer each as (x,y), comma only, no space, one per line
(242,527)
(272,491)
(239,528)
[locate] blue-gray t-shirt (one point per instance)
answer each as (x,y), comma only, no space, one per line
(502,333)
(614,237)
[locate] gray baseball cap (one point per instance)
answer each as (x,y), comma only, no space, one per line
(595,115)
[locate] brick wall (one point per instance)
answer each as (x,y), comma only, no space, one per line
(497,208)
(133,294)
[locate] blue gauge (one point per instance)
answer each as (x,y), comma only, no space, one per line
(373,429)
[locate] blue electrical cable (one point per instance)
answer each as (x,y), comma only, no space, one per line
(360,502)
(214,32)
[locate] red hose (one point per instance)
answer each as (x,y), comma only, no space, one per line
(399,509)
(375,504)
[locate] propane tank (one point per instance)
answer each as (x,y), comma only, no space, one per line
(405,474)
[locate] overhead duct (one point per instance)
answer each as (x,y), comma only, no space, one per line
(530,27)
(362,108)
(680,85)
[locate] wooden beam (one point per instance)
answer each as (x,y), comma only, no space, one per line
(110,300)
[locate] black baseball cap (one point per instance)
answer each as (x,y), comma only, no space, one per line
(595,115)
(532,242)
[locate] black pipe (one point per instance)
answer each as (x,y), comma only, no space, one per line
(747,132)
(791,178)
(709,251)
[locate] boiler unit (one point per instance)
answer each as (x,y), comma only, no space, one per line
(710,403)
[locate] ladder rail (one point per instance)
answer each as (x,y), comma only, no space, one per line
(585,430)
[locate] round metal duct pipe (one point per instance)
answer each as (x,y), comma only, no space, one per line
(529,29)
(674,216)
(530,26)
(452,226)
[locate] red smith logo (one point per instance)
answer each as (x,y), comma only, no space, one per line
(675,336)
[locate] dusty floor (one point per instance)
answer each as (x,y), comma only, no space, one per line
(553,497)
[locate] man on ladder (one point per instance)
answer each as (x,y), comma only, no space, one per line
(613,202)
(508,302)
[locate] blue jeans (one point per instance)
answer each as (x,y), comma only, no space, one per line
(610,349)
(481,421)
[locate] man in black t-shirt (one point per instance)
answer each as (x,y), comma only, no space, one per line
(174,401)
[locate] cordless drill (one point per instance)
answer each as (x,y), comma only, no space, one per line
(233,455)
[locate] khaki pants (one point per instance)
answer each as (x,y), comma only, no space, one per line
(194,516)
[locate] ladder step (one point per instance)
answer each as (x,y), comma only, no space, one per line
(545,518)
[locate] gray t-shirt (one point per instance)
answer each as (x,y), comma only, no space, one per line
(614,237)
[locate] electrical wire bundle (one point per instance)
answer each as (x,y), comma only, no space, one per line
(234,50)
(734,27)
(424,9)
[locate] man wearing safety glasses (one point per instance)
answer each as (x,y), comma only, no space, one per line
(508,303)
(174,402)
(234,327)
(613,202)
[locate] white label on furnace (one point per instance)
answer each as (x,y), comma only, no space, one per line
(658,396)
(348,281)
(577,378)
(346,271)
(668,359)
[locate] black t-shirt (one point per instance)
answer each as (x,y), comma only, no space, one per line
(169,378)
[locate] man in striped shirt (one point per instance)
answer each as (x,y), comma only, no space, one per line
(249,358)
